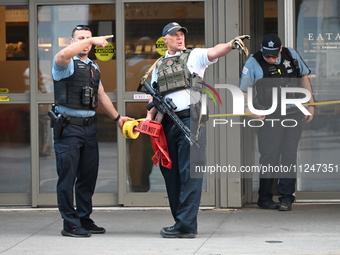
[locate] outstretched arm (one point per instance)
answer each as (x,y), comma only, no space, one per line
(64,56)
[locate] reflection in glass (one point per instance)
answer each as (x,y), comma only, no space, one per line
(48,173)
(15,148)
(107,181)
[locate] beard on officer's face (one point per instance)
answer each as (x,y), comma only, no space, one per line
(82,54)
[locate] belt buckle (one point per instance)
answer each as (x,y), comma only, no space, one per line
(86,121)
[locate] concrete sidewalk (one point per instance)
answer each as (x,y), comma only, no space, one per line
(308,229)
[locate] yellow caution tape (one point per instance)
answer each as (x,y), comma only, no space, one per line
(230,114)
(249,113)
(323,103)
(129,129)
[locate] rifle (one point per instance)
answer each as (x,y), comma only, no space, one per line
(166,106)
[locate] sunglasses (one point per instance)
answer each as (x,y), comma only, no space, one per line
(83,27)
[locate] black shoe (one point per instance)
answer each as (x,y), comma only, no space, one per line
(285,205)
(91,227)
(76,232)
(268,205)
(171,232)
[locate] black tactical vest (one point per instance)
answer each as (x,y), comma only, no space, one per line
(80,90)
(285,74)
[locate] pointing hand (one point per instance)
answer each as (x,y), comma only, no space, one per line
(237,43)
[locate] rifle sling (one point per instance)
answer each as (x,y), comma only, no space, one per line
(146,75)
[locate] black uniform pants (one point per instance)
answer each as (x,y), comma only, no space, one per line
(77,159)
(183,187)
(278,145)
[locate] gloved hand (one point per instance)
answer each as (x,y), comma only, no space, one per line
(237,43)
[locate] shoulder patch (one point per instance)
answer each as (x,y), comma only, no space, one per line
(245,70)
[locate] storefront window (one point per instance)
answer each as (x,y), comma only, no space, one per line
(13,48)
(318,41)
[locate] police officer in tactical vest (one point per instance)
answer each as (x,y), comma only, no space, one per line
(78,92)
(275,66)
(177,77)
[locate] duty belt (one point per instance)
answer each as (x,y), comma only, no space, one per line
(181,114)
(81,121)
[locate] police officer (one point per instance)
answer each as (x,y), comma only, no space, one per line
(175,82)
(78,91)
(277,66)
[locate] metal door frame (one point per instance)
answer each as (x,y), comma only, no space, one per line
(99,199)
(155,198)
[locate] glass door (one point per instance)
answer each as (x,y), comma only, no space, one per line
(318,41)
(53,25)
(315,35)
(143,182)
(15,149)
(264,19)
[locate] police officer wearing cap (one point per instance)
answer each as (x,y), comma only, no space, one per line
(184,189)
(277,66)
(78,91)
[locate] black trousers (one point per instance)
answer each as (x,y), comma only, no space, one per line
(77,159)
(184,187)
(278,146)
